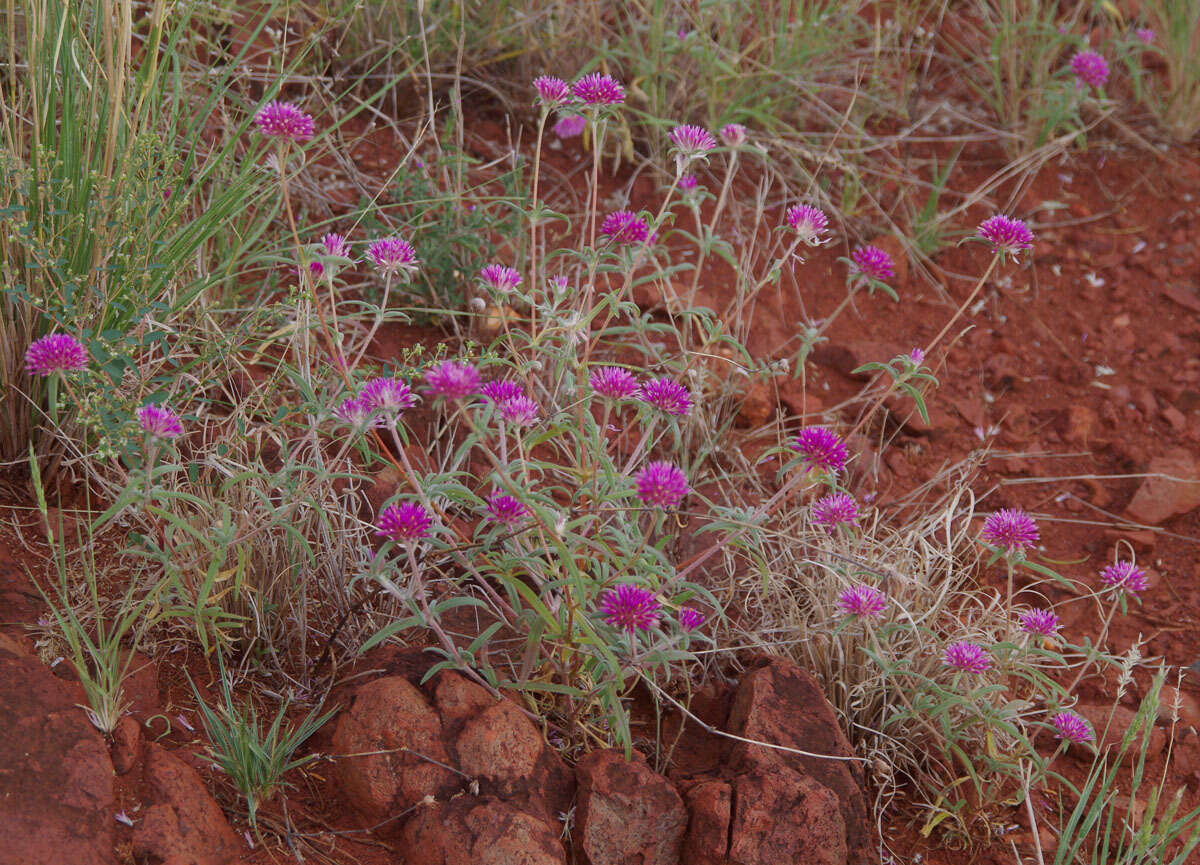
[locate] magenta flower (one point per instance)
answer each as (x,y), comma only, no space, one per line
(1039,623)
(1072,728)
(666,395)
(335,244)
(159,421)
(808,222)
(862,602)
(56,352)
(407,521)
(519,410)
(661,484)
(1145,35)
(687,183)
(872,262)
(391,255)
(691,142)
(357,411)
(1125,577)
(551,92)
(1089,68)
(389,395)
(569,126)
(1010,529)
(452,380)
(691,619)
(613,382)
(917,356)
(630,608)
(500,278)
(502,389)
(284,121)
(733,134)
(966,656)
(836,509)
(598,89)
(1007,236)
(820,449)
(624,226)
(505,509)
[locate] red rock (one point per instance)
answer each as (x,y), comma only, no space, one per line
(1159,499)
(393,727)
(470,831)
(626,812)
(707,839)
(1143,540)
(758,405)
(126,745)
(784,816)
(1079,424)
(141,687)
(183,824)
(56,779)
(1175,418)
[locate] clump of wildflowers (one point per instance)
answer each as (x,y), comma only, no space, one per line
(691,619)
(390,395)
(1039,623)
(407,521)
(505,509)
(551,92)
(57,352)
(500,278)
(666,395)
(733,134)
(872,263)
(569,126)
(1125,576)
(820,449)
(1072,728)
(452,380)
(613,382)
(630,608)
(391,255)
(1007,236)
(284,121)
(661,483)
(836,509)
(862,602)
(159,421)
(596,88)
(1090,69)
(968,657)
(624,226)
(690,143)
(1010,529)
(808,222)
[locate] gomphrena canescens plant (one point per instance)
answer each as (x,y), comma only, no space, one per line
(285,122)
(159,421)
(57,352)
(661,484)
(630,608)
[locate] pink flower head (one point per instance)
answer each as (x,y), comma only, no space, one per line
(820,449)
(505,509)
(502,389)
(598,89)
(1039,623)
(666,395)
(1145,35)
(661,484)
(551,92)
(1125,576)
(570,125)
(57,352)
(452,380)
(808,222)
(1089,68)
(624,226)
(1007,236)
(917,355)
(966,656)
(1072,728)
(631,608)
(687,183)
(613,382)
(862,602)
(407,521)
(159,421)
(733,134)
(691,619)
(500,278)
(519,410)
(836,509)
(390,395)
(335,244)
(357,411)
(691,142)
(284,121)
(391,255)
(872,262)
(1010,529)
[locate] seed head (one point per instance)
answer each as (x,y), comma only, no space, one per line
(505,509)
(57,352)
(631,608)
(966,656)
(690,619)
(1125,576)
(836,509)
(873,263)
(661,484)
(500,278)
(551,92)
(733,134)
(598,89)
(407,521)
(862,602)
(624,226)
(284,121)
(159,421)
(570,125)
(1090,69)
(1039,623)
(391,255)
(1007,236)
(808,222)
(820,449)
(666,395)
(613,382)
(1010,529)
(452,380)
(1072,728)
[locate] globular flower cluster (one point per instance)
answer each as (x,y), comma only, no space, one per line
(862,602)
(1125,576)
(666,395)
(613,382)
(836,509)
(596,88)
(1090,69)
(1039,623)
(1007,236)
(570,126)
(57,352)
(506,509)
(388,395)
(407,521)
(630,608)
(624,226)
(968,657)
(733,134)
(872,263)
(1010,529)
(358,412)
(392,255)
(500,278)
(502,389)
(284,121)
(820,449)
(691,619)
(1145,35)
(1072,728)
(335,244)
(552,92)
(809,222)
(661,483)
(159,421)
(512,403)
(690,143)
(452,380)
